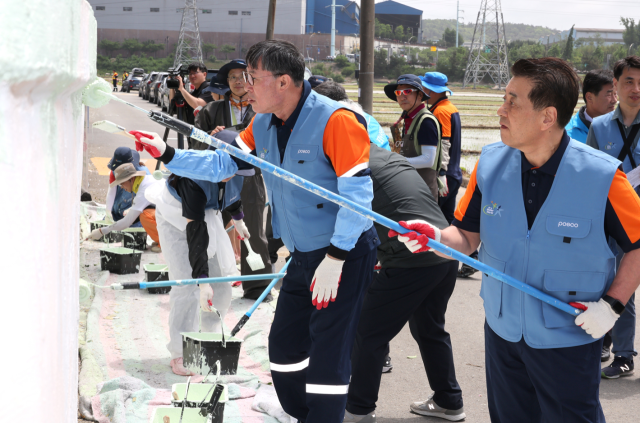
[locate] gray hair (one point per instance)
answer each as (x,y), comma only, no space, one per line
(278,57)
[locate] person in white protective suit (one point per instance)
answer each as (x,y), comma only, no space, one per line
(195,245)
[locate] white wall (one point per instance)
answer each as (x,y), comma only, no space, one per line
(47,54)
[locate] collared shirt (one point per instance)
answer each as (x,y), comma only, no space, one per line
(409,117)
(592,141)
(622,213)
(284,128)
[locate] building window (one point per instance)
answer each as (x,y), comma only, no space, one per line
(127,9)
(155,9)
(233,12)
(246,13)
(99,7)
(207,11)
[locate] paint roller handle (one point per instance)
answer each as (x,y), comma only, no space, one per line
(578,306)
(125,285)
(238,327)
(170,122)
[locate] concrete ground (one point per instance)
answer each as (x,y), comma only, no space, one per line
(407,382)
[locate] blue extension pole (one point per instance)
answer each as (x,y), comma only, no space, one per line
(162,284)
(262,296)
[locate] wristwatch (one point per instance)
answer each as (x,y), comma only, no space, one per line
(616,305)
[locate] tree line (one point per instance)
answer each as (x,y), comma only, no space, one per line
(133,46)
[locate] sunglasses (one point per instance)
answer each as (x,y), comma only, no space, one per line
(249,79)
(406,91)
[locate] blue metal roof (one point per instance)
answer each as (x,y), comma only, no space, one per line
(391,7)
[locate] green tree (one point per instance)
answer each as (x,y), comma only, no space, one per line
(449,37)
(453,63)
(132,46)
(567,54)
(208,48)
(377,28)
(150,46)
(109,46)
(554,51)
(318,70)
(348,71)
(341,61)
(631,34)
(226,49)
(399,33)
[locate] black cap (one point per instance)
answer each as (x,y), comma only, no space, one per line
(223,73)
(124,155)
(316,80)
(408,79)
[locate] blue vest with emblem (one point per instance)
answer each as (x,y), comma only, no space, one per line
(610,141)
(564,254)
(231,192)
(304,221)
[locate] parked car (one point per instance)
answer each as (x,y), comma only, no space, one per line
(142,83)
(309,59)
(211,74)
(131,83)
(155,87)
(147,85)
(164,95)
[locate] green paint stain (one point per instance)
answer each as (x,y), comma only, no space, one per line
(119,250)
(197,391)
(155,267)
(208,336)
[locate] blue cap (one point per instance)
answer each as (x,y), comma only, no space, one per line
(436,82)
(124,155)
(316,80)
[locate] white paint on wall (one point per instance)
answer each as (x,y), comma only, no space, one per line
(47,54)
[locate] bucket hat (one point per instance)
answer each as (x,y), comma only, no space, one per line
(408,79)
(436,82)
(223,73)
(124,173)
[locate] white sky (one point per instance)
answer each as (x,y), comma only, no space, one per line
(557,14)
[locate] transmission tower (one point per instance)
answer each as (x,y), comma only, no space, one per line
(189,46)
(488,52)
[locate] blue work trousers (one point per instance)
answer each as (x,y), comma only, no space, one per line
(310,349)
(529,385)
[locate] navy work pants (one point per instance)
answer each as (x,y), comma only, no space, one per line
(310,349)
(448,204)
(529,385)
(419,296)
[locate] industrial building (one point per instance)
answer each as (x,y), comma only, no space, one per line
(395,14)
(606,36)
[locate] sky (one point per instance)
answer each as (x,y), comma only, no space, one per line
(556,14)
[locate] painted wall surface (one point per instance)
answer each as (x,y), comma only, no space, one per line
(47,55)
(250,16)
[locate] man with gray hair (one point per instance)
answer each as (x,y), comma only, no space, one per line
(319,140)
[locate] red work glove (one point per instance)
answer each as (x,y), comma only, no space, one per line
(112,177)
(417,242)
(149,141)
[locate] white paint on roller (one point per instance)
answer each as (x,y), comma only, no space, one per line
(47,55)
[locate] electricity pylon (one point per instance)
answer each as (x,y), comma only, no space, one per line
(488,53)
(189,45)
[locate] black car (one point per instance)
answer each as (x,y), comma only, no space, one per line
(131,83)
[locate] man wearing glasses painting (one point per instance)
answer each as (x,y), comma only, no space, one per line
(317,139)
(420,139)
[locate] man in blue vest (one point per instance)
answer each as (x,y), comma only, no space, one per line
(317,139)
(599,98)
(617,134)
(543,207)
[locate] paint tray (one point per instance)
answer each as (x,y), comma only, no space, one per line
(201,351)
(135,238)
(111,236)
(191,415)
(120,260)
(199,392)
(157,273)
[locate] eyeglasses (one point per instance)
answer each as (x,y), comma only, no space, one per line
(236,78)
(248,78)
(406,91)
(194,72)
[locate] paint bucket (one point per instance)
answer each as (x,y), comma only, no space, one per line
(85,291)
(156,273)
(200,352)
(135,238)
(200,393)
(190,415)
(120,260)
(111,237)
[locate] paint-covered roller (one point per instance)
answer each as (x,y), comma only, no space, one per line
(158,175)
(85,290)
(93,95)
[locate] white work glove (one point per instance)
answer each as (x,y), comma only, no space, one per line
(206,297)
(150,142)
(96,234)
(443,188)
(243,232)
(417,242)
(597,319)
(326,280)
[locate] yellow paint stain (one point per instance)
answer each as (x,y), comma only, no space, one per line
(101,165)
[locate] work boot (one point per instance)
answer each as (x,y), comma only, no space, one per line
(178,368)
(430,408)
(466,271)
(156,249)
(387,366)
(620,367)
(359,418)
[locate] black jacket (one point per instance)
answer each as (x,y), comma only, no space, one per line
(217,113)
(400,193)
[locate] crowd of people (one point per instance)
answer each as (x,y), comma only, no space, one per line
(549,205)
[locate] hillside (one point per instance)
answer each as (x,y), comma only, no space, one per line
(433,29)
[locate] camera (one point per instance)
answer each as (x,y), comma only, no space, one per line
(177,71)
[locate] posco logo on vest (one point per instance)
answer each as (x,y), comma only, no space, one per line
(304,151)
(568,224)
(264,153)
(492,209)
(609,146)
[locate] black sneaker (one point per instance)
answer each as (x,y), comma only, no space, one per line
(466,271)
(606,354)
(620,367)
(387,366)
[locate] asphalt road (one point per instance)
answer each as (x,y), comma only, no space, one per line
(407,382)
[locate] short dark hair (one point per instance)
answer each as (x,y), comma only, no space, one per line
(333,90)
(626,63)
(278,57)
(594,80)
(199,66)
(555,84)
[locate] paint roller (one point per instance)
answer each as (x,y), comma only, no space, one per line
(84,290)
(161,284)
(95,93)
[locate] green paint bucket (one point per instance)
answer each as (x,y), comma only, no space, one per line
(201,351)
(157,273)
(200,394)
(109,238)
(135,238)
(191,415)
(120,260)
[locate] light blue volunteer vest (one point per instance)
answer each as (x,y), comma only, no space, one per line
(565,254)
(609,140)
(231,192)
(303,220)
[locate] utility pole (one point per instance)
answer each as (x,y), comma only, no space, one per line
(457,20)
(333,27)
(365,80)
(189,45)
(271,19)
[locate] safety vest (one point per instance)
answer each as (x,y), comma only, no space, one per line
(231,193)
(564,254)
(610,140)
(303,220)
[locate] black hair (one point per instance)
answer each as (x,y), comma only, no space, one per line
(333,90)
(594,80)
(626,63)
(555,84)
(278,57)
(199,66)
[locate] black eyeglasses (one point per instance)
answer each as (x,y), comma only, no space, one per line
(248,78)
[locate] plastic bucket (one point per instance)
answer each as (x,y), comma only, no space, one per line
(111,237)
(202,350)
(120,260)
(191,415)
(200,393)
(156,273)
(135,238)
